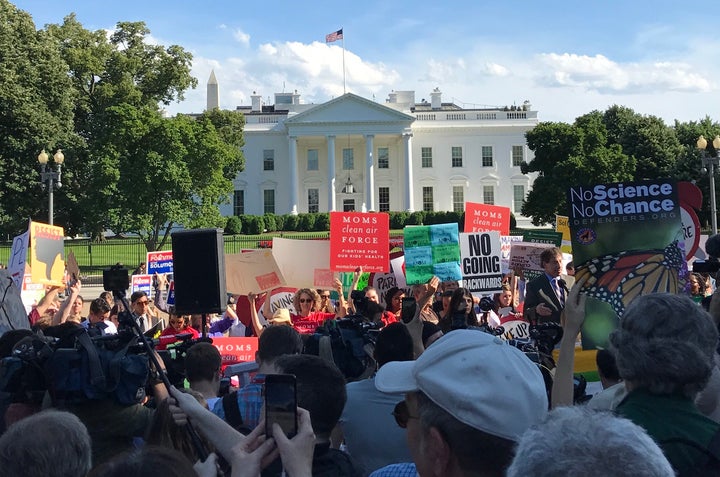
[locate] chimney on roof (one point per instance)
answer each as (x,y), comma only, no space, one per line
(213,92)
(436,99)
(256,102)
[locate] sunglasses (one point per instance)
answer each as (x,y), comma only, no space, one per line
(324,297)
(402,414)
(305,300)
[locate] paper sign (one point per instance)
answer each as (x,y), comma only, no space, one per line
(254,271)
(431,250)
(562,225)
(481,269)
(73,270)
(485,217)
(160,262)
(303,262)
(359,240)
(47,254)
(527,257)
(18,258)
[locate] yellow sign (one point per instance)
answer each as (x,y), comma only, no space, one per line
(47,254)
(562,225)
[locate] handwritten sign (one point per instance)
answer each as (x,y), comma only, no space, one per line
(480,261)
(18,258)
(432,250)
(254,271)
(485,217)
(359,240)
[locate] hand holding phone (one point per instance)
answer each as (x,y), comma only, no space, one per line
(281,403)
(409,308)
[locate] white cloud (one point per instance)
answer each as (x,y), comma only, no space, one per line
(495,69)
(242,37)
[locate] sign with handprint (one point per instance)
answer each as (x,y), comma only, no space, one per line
(47,254)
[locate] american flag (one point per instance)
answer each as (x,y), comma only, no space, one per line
(334,36)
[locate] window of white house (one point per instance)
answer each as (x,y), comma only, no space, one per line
(383,158)
(488,195)
(268,159)
(269,201)
(457,156)
(458,199)
(239,202)
(487,156)
(426,155)
(518,198)
(517,155)
(313,200)
(348,205)
(348,160)
(428,202)
(384,199)
(312,160)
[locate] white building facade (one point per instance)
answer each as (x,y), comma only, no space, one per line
(351,153)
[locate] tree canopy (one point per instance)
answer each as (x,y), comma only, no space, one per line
(99,97)
(611,146)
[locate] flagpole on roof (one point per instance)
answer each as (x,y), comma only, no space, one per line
(343,47)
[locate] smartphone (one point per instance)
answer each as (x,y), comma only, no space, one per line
(409,307)
(281,403)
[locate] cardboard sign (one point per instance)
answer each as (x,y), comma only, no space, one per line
(236,350)
(506,242)
(485,218)
(527,256)
(141,283)
(254,271)
(73,269)
(47,254)
(359,240)
(382,282)
(480,262)
(431,250)
(18,258)
(304,263)
(159,262)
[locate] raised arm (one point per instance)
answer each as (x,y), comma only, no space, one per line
(64,311)
(160,298)
(574,316)
(341,309)
(254,318)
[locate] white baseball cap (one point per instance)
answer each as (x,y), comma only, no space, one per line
(478,378)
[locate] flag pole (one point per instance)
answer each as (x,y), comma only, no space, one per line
(343,47)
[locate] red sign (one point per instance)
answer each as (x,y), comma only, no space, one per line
(487,218)
(359,240)
(236,350)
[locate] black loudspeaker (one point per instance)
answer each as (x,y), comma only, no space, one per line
(199,271)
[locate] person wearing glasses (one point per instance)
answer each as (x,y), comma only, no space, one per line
(140,303)
(326,304)
(308,314)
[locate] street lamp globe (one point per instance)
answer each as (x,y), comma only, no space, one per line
(59,157)
(716,142)
(43,157)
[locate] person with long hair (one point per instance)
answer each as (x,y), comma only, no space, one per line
(307,316)
(462,312)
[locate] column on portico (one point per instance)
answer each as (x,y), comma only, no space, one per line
(293,175)
(332,193)
(369,172)
(409,196)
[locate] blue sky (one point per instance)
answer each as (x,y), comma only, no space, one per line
(566,57)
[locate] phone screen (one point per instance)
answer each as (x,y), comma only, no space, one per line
(280,403)
(409,307)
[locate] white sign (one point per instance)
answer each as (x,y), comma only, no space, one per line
(480,261)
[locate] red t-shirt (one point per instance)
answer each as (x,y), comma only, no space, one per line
(306,325)
(170,331)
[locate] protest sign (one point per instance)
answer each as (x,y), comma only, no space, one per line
(627,240)
(73,269)
(141,283)
(562,225)
(18,258)
(526,256)
(506,242)
(254,271)
(480,261)
(304,263)
(47,254)
(690,197)
(382,282)
(486,217)
(159,262)
(359,240)
(236,350)
(543,236)
(279,298)
(431,250)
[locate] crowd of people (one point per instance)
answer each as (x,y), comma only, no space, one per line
(445,393)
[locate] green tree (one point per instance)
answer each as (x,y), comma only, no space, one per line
(36,113)
(567,155)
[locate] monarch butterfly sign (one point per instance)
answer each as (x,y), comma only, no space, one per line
(627,240)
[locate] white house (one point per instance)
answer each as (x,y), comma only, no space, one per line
(351,153)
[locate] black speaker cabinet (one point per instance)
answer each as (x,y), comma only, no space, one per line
(199,271)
